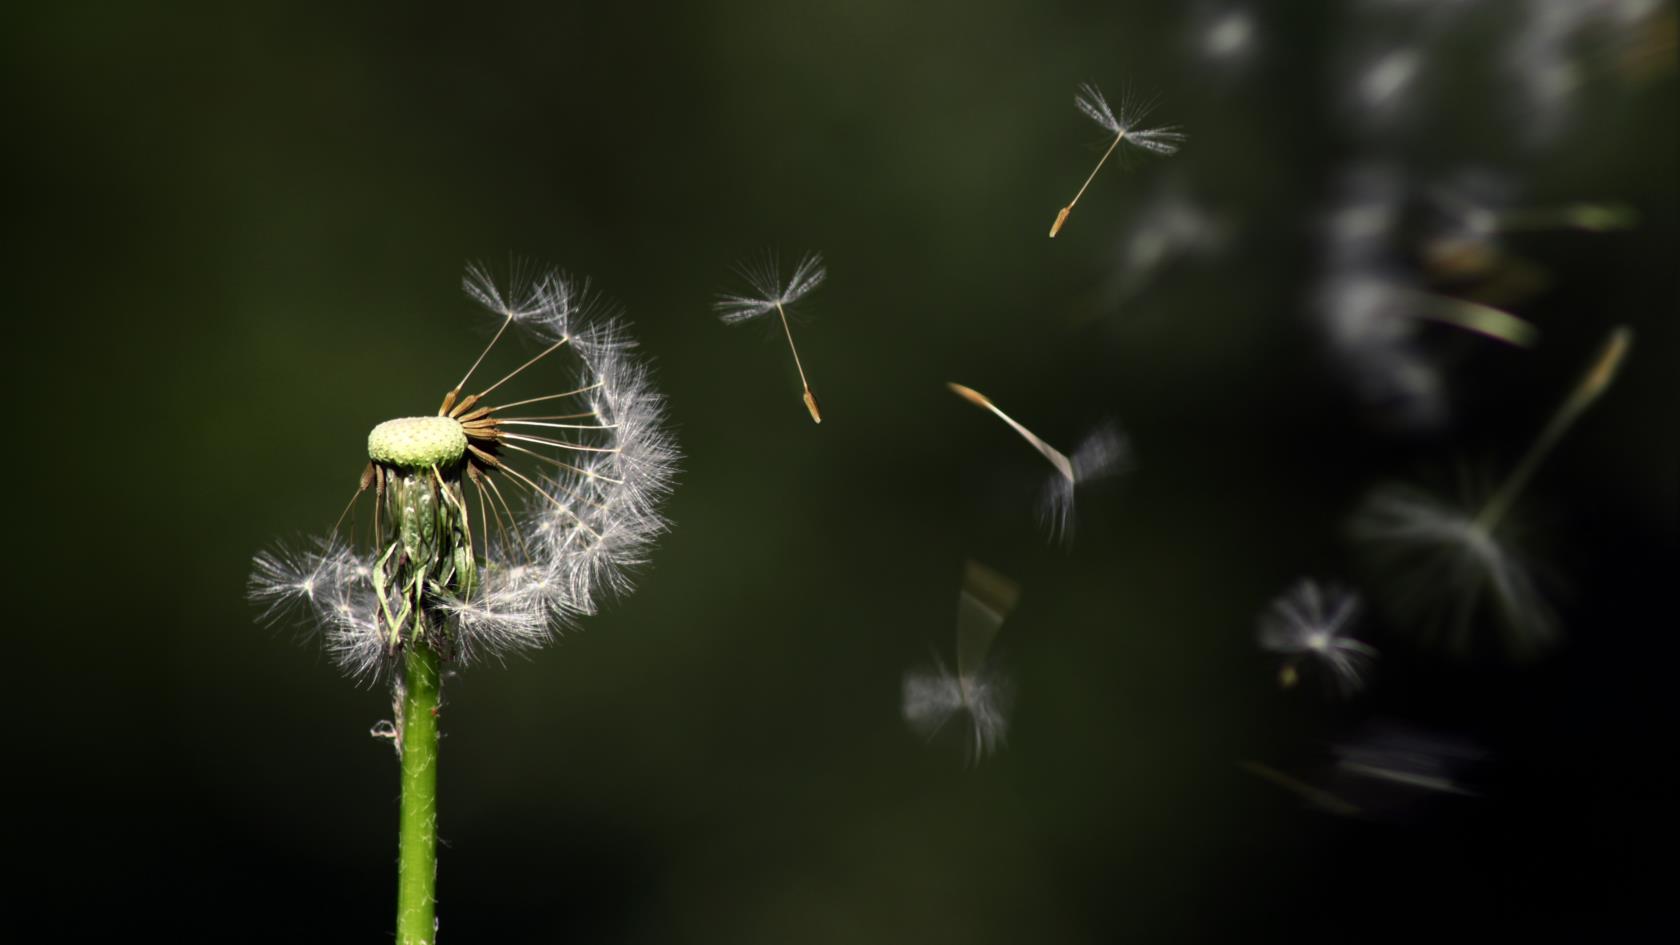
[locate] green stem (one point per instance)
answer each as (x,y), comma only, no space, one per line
(417,856)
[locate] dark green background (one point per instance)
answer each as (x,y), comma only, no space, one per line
(239,233)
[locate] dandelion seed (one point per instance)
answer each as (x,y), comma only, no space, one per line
(1409,758)
(1474,317)
(1124,127)
(1553,43)
(1475,212)
(1444,560)
(1388,77)
(1312,622)
(1386,772)
(1229,35)
(494,521)
(1316,796)
(286,579)
(1372,313)
(771,294)
(1104,452)
(1170,228)
(976,692)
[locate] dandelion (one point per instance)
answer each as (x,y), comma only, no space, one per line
(976,691)
(1104,452)
(1445,559)
(771,294)
(1312,621)
(1124,127)
(495,521)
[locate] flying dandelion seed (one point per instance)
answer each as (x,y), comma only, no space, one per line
(976,692)
(771,294)
(1124,127)
(1387,78)
(1228,36)
(1312,622)
(1552,47)
(1409,758)
(1373,315)
(565,488)
(1104,452)
(1324,800)
(1388,771)
(1444,560)
(1474,212)
(1171,228)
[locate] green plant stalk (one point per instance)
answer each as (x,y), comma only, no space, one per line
(417,853)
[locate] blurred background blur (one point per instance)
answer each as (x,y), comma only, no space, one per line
(239,238)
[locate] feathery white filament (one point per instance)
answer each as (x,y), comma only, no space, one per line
(769,291)
(1313,621)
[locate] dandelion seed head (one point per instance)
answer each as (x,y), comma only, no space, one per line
(504,516)
(418,442)
(1314,620)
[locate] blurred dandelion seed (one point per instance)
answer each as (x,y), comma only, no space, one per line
(1123,126)
(1312,622)
(1473,317)
(771,294)
(1388,771)
(1409,758)
(1170,229)
(1103,452)
(1317,797)
(1388,77)
(1442,559)
(976,691)
(1374,315)
(1474,214)
(1228,36)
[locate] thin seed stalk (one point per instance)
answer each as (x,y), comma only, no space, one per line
(417,853)
(1596,380)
